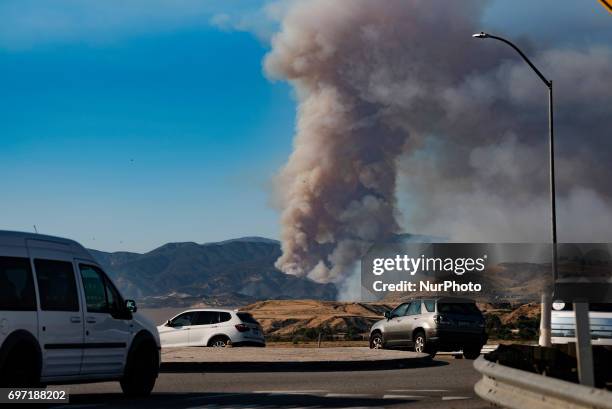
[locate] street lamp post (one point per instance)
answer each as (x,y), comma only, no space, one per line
(585,355)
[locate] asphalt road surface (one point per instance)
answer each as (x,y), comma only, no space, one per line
(448,383)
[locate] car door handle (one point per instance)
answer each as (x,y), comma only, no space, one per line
(91,320)
(75,320)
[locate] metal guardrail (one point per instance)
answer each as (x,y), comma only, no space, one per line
(515,389)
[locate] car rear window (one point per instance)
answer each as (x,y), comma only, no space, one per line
(246,317)
(16,285)
(458,308)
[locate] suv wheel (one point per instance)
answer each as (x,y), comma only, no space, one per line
(218,342)
(141,370)
(471,351)
(422,346)
(376,341)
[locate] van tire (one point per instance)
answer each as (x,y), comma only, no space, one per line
(20,361)
(141,368)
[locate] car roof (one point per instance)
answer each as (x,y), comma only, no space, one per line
(441,298)
(209,309)
(14,237)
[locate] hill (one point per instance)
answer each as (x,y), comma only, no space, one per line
(284,318)
(232,272)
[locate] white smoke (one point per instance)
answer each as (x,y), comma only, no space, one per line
(397,101)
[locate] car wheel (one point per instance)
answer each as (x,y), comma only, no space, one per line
(21,369)
(422,346)
(218,342)
(472,351)
(376,341)
(141,370)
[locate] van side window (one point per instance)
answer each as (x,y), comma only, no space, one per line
(430,305)
(224,316)
(100,294)
(16,285)
(115,302)
(56,285)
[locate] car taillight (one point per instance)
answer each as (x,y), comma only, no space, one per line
(441,319)
(242,328)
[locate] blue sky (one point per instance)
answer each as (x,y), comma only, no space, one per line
(126,125)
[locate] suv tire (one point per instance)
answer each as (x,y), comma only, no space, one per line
(471,351)
(421,345)
(219,341)
(141,369)
(377,341)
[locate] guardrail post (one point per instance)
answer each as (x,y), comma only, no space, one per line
(584,350)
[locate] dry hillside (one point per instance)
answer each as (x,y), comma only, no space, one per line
(283,318)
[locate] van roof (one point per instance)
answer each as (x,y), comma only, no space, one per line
(78,249)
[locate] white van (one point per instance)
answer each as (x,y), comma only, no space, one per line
(62,319)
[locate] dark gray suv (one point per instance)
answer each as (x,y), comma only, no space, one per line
(432,324)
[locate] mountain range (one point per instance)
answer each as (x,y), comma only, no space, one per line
(232,272)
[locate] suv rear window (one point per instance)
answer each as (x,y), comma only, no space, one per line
(16,285)
(246,317)
(458,308)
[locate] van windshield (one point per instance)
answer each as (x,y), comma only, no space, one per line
(458,308)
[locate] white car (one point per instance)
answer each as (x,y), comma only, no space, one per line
(212,328)
(62,319)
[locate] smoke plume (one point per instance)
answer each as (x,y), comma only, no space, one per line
(398,103)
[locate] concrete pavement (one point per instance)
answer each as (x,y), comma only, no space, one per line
(448,383)
(286,359)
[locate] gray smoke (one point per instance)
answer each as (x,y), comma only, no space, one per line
(398,102)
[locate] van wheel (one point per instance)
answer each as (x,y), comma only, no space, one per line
(219,341)
(422,346)
(141,370)
(21,369)
(471,351)
(376,341)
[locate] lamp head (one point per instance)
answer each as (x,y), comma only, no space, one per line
(482,34)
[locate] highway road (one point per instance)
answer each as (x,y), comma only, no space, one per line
(447,384)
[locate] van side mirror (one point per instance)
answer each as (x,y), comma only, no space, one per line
(168,323)
(387,315)
(131,306)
